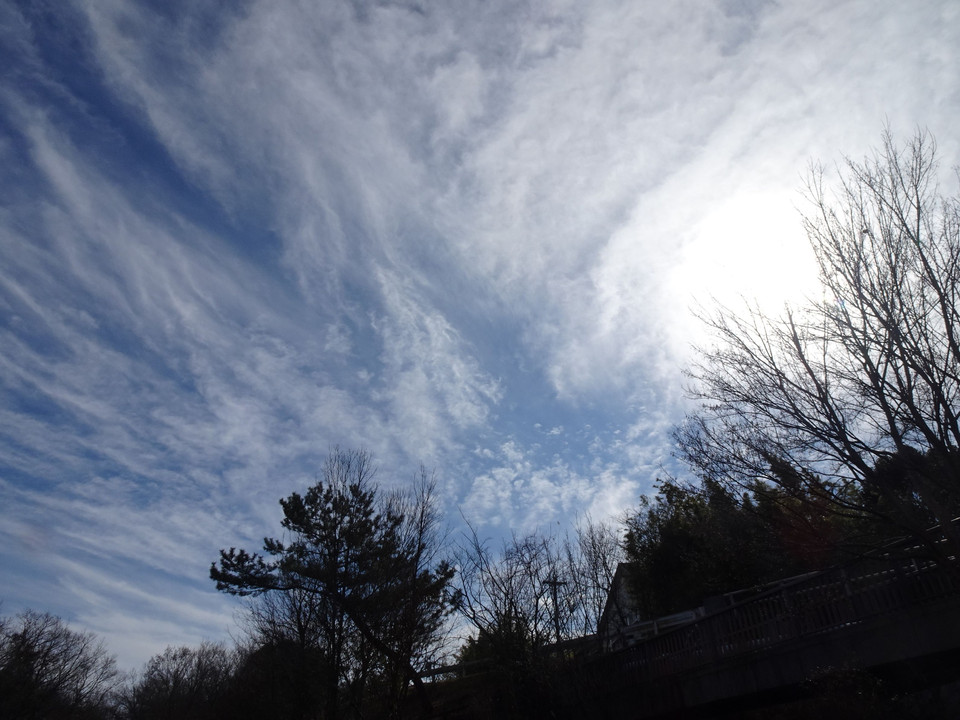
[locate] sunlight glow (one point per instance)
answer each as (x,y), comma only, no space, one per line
(751,247)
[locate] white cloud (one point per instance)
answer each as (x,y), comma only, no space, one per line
(417,232)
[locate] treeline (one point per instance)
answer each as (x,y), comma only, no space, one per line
(694,540)
(366,593)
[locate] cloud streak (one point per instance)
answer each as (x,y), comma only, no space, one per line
(468,236)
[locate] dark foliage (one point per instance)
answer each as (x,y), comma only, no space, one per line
(280,679)
(184,683)
(368,566)
(691,542)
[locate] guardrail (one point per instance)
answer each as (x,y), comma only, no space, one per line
(826,602)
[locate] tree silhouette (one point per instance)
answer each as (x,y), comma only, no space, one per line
(48,670)
(841,387)
(182,682)
(357,555)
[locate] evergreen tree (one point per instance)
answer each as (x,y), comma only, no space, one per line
(350,550)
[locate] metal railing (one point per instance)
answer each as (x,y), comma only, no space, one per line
(825,602)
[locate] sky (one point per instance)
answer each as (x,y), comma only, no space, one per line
(469,235)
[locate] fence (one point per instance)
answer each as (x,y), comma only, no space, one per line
(826,602)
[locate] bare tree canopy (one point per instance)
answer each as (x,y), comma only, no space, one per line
(182,682)
(537,590)
(854,395)
(49,670)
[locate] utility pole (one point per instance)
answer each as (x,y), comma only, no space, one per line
(554,584)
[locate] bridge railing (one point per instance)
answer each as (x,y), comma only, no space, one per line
(825,602)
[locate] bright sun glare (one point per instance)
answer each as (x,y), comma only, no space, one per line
(750,246)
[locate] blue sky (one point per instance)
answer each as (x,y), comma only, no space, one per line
(468,235)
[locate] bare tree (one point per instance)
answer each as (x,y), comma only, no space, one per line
(182,682)
(592,555)
(854,395)
(49,670)
(416,626)
(293,615)
(291,654)
(524,600)
(519,599)
(537,589)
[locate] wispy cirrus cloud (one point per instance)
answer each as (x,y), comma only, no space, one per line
(466,235)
